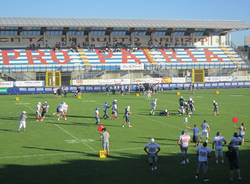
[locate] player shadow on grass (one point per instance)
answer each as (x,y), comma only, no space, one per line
(7,130)
(62,122)
(10,118)
(119,168)
(141,142)
(55,150)
(77,116)
(157,138)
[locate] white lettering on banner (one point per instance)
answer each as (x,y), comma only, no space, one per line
(214,84)
(89,88)
(29,83)
(48,89)
(240,83)
(226,78)
(132,67)
(234,83)
(201,85)
(178,79)
(165,85)
(77,82)
(31,89)
(207,85)
(173,85)
(221,84)
(39,89)
(7,84)
(227,84)
(22,89)
(247,83)
(239,78)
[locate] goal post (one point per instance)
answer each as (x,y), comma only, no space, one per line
(53,79)
(198,75)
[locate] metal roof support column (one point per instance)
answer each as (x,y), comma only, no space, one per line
(110,40)
(89,41)
(211,37)
(192,42)
(44,41)
(219,39)
(229,39)
(66,39)
(132,40)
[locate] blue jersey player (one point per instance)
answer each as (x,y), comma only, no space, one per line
(127,117)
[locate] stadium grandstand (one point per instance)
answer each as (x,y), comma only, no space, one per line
(79,51)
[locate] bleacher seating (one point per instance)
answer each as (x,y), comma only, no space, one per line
(66,59)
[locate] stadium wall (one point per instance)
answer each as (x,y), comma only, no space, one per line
(102,88)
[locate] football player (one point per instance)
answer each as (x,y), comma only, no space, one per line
(205,130)
(96,114)
(152,149)
(219,141)
(183,141)
(153,106)
(45,108)
(65,110)
(127,117)
(38,111)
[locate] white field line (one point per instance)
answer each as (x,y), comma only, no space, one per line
(65,131)
(84,143)
(21,103)
(35,155)
(87,101)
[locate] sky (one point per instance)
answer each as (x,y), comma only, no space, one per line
(142,9)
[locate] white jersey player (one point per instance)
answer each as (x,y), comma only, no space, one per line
(96,114)
(22,122)
(38,111)
(59,110)
(153,106)
(65,110)
(114,109)
(219,142)
(149,92)
(152,149)
(203,153)
(183,141)
(205,130)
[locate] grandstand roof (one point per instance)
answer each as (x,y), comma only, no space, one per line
(135,23)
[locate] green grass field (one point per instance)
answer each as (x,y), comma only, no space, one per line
(55,152)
